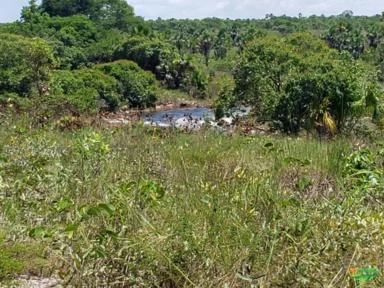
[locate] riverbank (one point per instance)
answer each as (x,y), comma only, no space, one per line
(128,116)
(187,116)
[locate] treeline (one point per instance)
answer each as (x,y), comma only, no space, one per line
(63,43)
(312,72)
(297,72)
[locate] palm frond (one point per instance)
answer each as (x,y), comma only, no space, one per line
(329,123)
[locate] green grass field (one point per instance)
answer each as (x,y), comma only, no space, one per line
(140,207)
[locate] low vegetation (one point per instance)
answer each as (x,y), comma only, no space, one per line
(145,207)
(299,204)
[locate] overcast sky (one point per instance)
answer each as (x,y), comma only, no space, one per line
(10,9)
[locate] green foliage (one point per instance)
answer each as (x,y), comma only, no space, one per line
(297,80)
(104,86)
(379,61)
(75,30)
(309,96)
(103,49)
(142,207)
(364,174)
(69,36)
(108,13)
(138,87)
(225,98)
(345,36)
(25,64)
(160,58)
(364,276)
(114,14)
(206,44)
(13,102)
(82,90)
(150,54)
(75,37)
(66,8)
(195,81)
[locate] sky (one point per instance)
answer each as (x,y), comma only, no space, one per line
(152,9)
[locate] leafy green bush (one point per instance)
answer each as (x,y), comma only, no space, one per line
(103,49)
(70,36)
(138,87)
(225,98)
(24,64)
(299,82)
(150,54)
(14,102)
(337,90)
(82,90)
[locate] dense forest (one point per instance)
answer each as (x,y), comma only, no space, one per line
(90,204)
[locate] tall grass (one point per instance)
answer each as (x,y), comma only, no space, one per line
(140,207)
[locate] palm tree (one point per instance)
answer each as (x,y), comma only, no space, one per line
(206,44)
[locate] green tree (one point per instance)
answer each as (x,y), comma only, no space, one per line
(106,43)
(25,64)
(67,7)
(299,82)
(150,54)
(138,87)
(114,14)
(206,44)
(221,45)
(346,36)
(261,72)
(161,58)
(108,13)
(83,91)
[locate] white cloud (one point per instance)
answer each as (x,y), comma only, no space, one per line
(251,8)
(221,5)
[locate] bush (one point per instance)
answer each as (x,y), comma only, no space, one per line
(337,90)
(150,54)
(84,90)
(300,83)
(106,43)
(24,64)
(71,37)
(13,101)
(225,99)
(138,87)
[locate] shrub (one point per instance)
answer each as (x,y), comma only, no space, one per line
(24,64)
(225,98)
(300,83)
(149,54)
(84,90)
(106,43)
(138,87)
